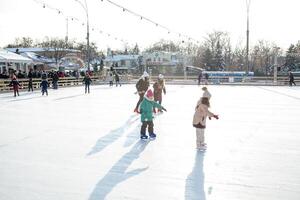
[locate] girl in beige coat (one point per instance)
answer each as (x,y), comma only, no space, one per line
(199,120)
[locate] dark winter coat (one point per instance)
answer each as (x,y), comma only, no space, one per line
(55,77)
(142,85)
(15,84)
(159,87)
(87,80)
(117,78)
(44,84)
(291,76)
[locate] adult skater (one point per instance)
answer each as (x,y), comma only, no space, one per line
(55,80)
(142,86)
(199,121)
(117,79)
(199,77)
(15,84)
(111,79)
(30,76)
(44,85)
(291,77)
(146,110)
(87,82)
(159,88)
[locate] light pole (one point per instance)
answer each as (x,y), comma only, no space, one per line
(85,7)
(247,33)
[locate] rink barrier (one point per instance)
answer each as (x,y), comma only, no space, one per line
(192,80)
(62,82)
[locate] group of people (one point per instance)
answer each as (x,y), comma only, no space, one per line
(149,101)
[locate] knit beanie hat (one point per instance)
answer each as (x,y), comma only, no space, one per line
(149,93)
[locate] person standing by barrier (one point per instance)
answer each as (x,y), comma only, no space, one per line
(87,81)
(199,77)
(291,79)
(142,86)
(15,84)
(117,79)
(159,88)
(55,80)
(30,75)
(206,76)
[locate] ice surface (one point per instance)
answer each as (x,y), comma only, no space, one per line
(76,146)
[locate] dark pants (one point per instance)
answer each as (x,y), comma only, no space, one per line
(44,90)
(140,100)
(87,88)
(55,85)
(118,82)
(16,92)
(292,82)
(144,126)
(30,86)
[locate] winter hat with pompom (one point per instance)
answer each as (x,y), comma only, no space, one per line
(149,94)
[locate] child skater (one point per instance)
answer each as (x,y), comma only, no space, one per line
(159,87)
(146,110)
(44,84)
(15,84)
(199,121)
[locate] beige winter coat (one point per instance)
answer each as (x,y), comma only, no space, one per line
(201,113)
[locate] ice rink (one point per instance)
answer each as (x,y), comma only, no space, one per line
(76,146)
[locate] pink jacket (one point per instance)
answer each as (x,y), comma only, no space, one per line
(201,113)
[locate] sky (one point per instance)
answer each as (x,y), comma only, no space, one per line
(272,20)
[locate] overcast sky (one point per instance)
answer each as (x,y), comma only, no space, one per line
(273,20)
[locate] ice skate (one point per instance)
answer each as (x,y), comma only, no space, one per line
(152,135)
(144,137)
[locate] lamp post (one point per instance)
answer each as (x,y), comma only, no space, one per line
(247,33)
(85,7)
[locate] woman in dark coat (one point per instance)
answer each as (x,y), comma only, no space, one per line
(142,86)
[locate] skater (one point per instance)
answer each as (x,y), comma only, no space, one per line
(206,76)
(30,75)
(15,84)
(199,77)
(117,79)
(206,93)
(199,121)
(159,87)
(110,79)
(55,80)
(87,81)
(142,86)
(147,115)
(44,84)
(291,77)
